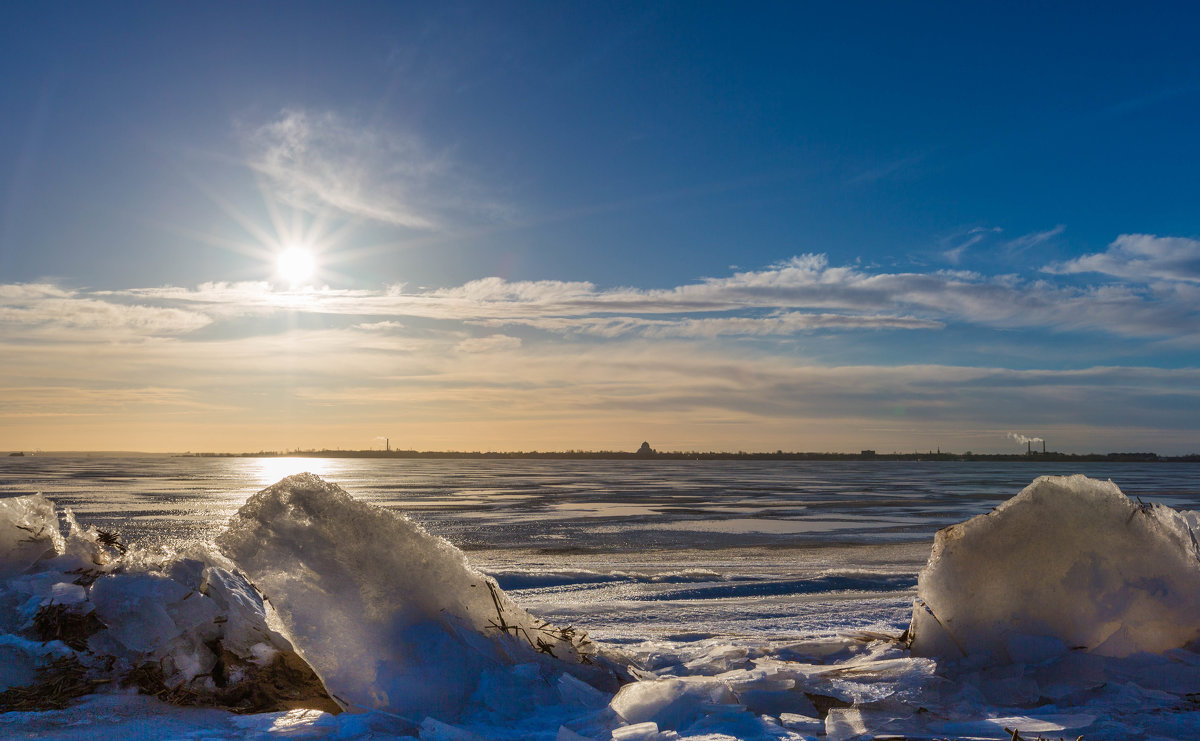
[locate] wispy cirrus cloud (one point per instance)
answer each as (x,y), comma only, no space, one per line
(490,344)
(970,238)
(1033,239)
(320,160)
(777,324)
(1140,257)
(965,241)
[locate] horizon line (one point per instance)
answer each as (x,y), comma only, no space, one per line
(863,454)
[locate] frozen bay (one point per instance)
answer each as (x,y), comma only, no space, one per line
(687,565)
(774,547)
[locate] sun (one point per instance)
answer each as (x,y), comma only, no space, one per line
(296,265)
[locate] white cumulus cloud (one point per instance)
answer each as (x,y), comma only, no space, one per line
(1140,257)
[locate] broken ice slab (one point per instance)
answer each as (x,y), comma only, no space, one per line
(1071,559)
(394,618)
(671,703)
(28,532)
(1024,725)
(647,731)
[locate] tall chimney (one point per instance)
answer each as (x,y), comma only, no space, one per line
(1043,446)
(1028,447)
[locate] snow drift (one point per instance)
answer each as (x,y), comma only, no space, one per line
(1069,563)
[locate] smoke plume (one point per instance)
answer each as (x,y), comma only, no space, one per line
(1023,440)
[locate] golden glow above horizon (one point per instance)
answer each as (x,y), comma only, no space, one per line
(297,265)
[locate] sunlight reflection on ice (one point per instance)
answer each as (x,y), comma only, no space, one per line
(291,723)
(271,470)
(295,718)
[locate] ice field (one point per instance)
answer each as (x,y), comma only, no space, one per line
(598,600)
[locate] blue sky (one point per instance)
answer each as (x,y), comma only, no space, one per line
(581,225)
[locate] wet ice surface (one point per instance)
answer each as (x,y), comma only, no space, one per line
(719,577)
(579,505)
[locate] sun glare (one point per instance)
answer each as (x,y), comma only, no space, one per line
(270,470)
(296,265)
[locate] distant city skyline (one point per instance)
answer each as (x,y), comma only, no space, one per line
(550,226)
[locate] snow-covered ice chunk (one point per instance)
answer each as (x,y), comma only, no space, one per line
(392,617)
(20,659)
(28,532)
(576,692)
(671,703)
(1025,724)
(67,593)
(185,626)
(802,723)
(647,731)
(135,609)
(1068,563)
(843,724)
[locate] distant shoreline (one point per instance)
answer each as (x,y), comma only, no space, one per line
(716,456)
(620,455)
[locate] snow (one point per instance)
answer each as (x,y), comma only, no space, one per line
(1068,610)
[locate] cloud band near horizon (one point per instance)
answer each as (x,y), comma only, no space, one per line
(736,358)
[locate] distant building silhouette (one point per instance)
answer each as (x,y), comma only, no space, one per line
(646,449)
